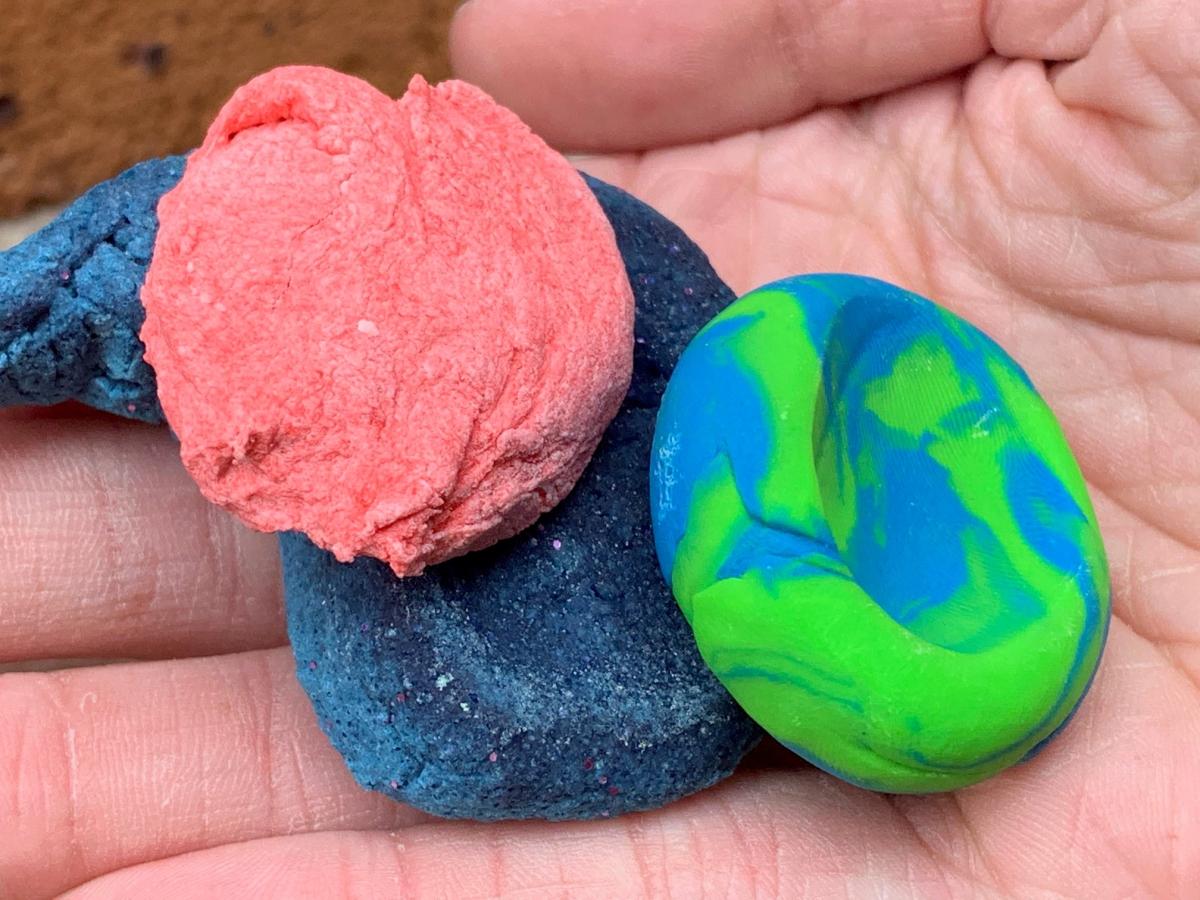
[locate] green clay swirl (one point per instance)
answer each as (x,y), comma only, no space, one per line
(878,533)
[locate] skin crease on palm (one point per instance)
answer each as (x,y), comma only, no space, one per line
(1033,164)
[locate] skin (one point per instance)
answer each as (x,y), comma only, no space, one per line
(1051,197)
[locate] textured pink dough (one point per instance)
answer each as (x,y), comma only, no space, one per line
(398,326)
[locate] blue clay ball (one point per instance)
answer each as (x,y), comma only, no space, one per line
(551,676)
(70,311)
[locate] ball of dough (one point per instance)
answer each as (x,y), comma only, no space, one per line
(878,533)
(400,327)
(551,676)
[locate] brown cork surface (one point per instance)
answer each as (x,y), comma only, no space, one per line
(89,88)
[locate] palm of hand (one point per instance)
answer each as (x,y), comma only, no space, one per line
(1055,207)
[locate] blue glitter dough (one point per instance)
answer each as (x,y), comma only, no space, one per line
(69,307)
(551,676)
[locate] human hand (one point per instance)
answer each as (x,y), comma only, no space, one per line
(1055,204)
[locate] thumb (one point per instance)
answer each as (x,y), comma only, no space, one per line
(607,75)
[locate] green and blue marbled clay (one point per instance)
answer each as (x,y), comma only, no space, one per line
(878,533)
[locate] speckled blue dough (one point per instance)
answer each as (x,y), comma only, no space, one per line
(551,676)
(69,307)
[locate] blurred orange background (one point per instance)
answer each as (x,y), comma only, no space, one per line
(89,87)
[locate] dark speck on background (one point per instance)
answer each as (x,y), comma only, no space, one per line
(152,56)
(9,108)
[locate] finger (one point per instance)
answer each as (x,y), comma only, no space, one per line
(111,551)
(107,767)
(1107,790)
(610,75)
(766,835)
(600,75)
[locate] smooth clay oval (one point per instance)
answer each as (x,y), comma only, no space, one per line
(878,533)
